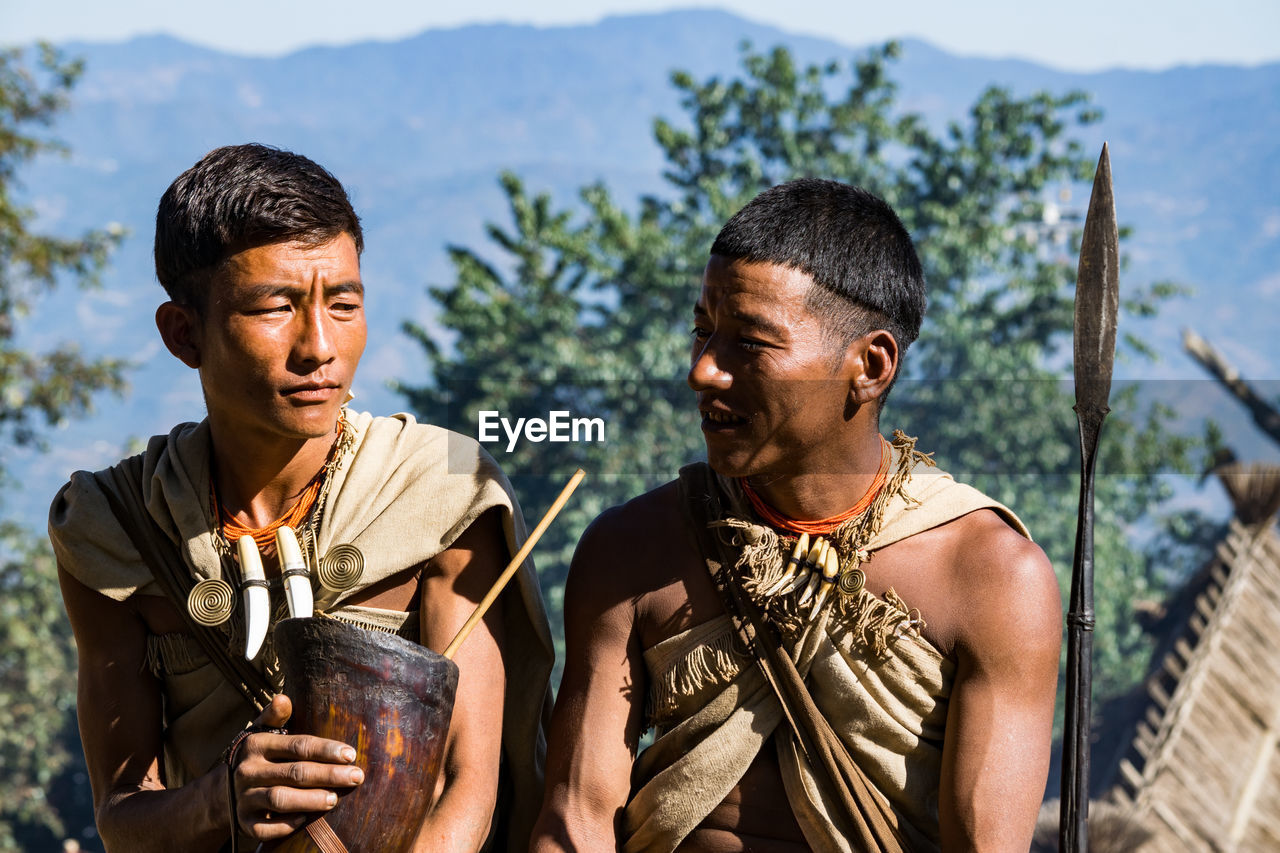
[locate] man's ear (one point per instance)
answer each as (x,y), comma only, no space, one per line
(871,362)
(180,330)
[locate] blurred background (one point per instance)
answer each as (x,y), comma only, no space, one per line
(539,188)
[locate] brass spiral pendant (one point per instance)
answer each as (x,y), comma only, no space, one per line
(341,568)
(210,602)
(852,581)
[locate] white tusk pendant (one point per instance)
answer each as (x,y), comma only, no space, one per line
(257,601)
(830,570)
(815,580)
(797,557)
(817,602)
(293,569)
(811,562)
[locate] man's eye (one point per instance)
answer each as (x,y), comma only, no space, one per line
(268,309)
(699,333)
(748,344)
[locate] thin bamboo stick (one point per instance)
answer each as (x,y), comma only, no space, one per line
(509,572)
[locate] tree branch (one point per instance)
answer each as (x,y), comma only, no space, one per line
(1265,414)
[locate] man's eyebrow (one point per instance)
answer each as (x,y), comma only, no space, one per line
(752,321)
(355,287)
(267,291)
(757,322)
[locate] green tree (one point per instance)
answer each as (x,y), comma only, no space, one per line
(589,307)
(38,742)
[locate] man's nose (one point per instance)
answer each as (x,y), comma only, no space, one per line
(705,372)
(314,344)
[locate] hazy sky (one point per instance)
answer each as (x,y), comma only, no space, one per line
(1073,34)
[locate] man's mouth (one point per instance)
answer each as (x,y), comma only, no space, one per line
(318,391)
(719,417)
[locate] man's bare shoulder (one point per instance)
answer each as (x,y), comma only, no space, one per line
(639,562)
(987,545)
(972,577)
(635,520)
(1005,583)
(620,549)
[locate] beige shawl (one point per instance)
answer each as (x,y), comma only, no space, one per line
(402,493)
(883,688)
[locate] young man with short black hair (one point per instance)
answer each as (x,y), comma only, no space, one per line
(259,251)
(837,646)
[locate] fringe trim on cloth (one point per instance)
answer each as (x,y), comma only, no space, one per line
(876,620)
(410,630)
(764,559)
(711,664)
(173,654)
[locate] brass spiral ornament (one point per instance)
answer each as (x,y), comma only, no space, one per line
(852,581)
(210,602)
(341,568)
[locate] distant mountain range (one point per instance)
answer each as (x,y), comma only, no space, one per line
(418,130)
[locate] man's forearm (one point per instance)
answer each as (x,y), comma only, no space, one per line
(557,833)
(459,823)
(193,818)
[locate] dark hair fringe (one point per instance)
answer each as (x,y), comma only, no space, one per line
(238,197)
(848,241)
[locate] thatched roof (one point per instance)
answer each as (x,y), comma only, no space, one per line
(1203,768)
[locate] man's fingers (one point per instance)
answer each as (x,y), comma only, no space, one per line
(257,772)
(276,747)
(265,824)
(280,778)
(282,802)
(277,713)
(268,811)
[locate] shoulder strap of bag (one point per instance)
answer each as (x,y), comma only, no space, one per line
(873,824)
(122,488)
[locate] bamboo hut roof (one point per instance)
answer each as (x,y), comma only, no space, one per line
(1202,770)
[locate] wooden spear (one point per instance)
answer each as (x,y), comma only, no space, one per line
(1097,303)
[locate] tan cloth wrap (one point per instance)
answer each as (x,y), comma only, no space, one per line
(403,494)
(890,712)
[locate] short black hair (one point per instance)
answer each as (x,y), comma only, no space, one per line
(239,197)
(849,242)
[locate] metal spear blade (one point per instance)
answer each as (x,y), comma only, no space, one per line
(1097,305)
(1097,296)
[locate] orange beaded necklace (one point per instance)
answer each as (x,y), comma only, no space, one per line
(265,537)
(822,526)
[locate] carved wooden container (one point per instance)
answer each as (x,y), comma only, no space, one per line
(392,701)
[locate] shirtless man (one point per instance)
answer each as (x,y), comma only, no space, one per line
(936,666)
(259,251)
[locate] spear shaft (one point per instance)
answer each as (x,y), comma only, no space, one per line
(1097,305)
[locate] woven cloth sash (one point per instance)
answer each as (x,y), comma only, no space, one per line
(122,488)
(868,818)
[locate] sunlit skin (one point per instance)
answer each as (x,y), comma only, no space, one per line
(783,405)
(797,413)
(276,346)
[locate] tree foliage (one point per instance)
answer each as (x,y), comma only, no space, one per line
(59,382)
(586,307)
(38,742)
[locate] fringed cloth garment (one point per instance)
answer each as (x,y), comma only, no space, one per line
(883,688)
(400,492)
